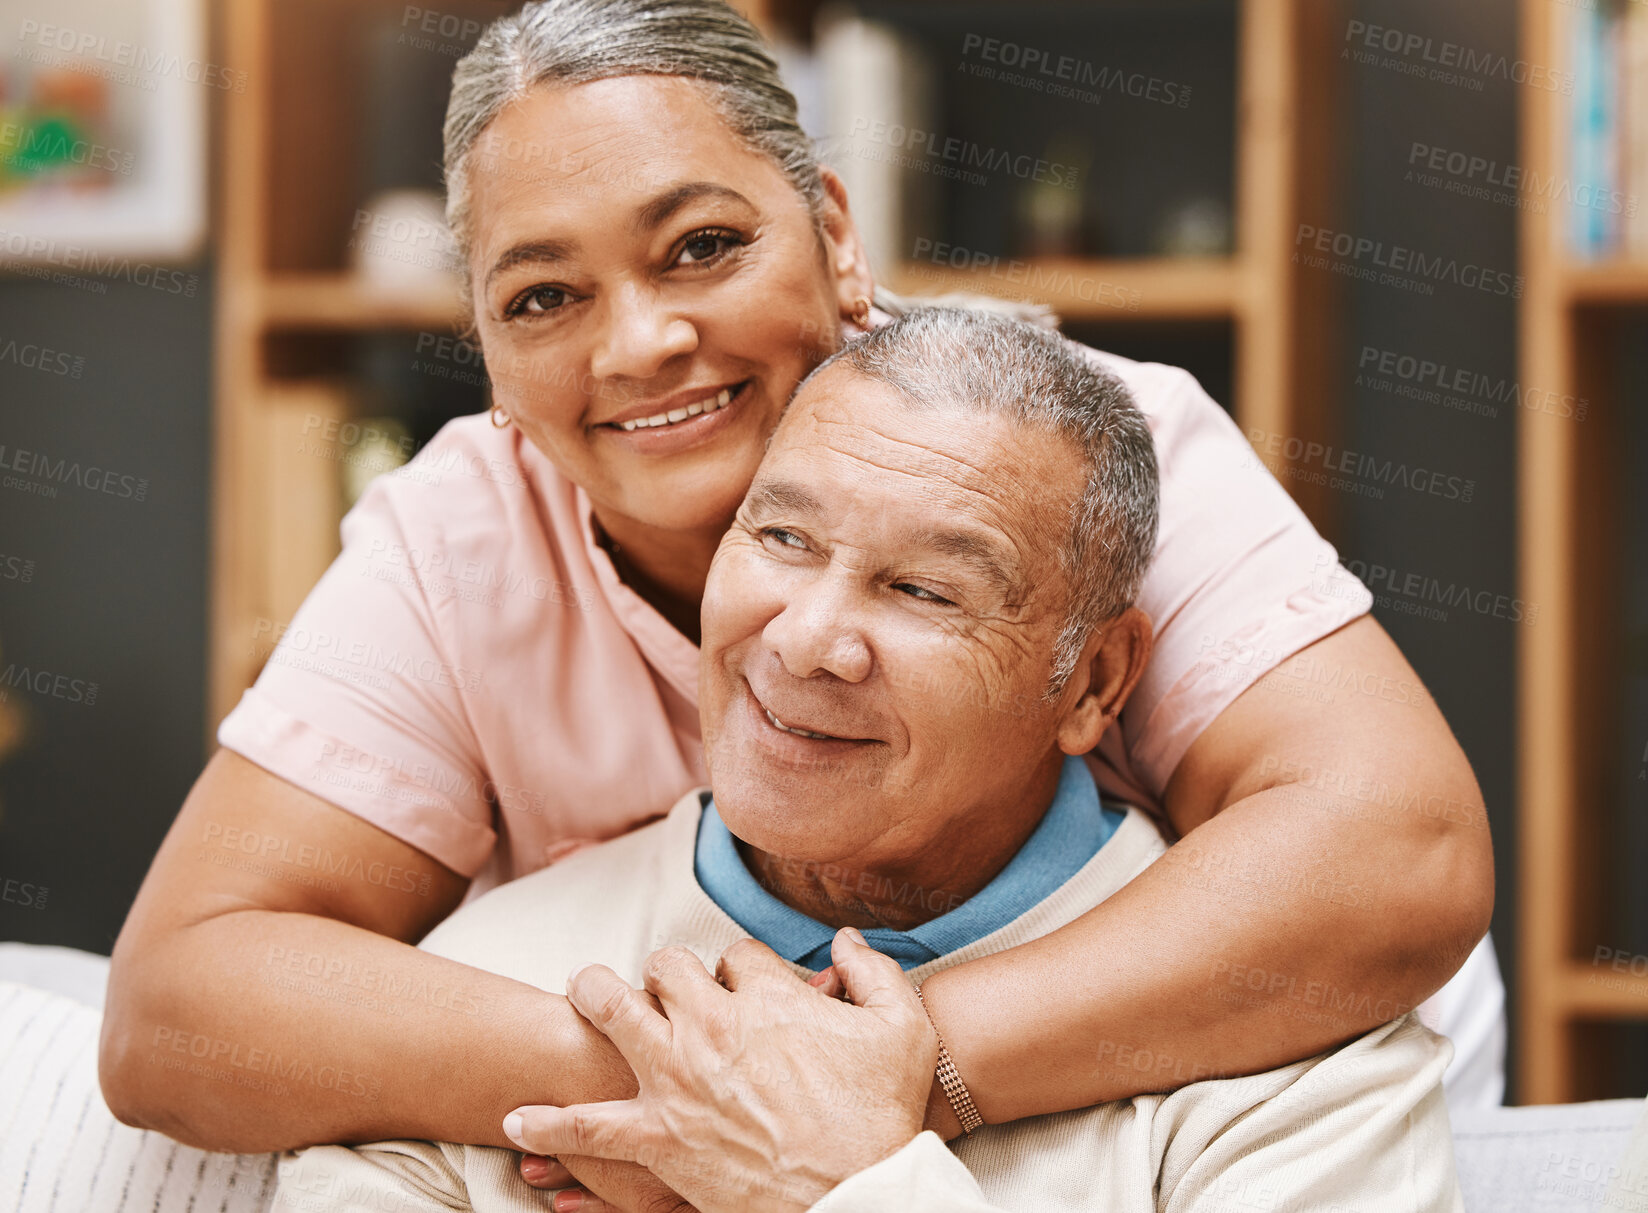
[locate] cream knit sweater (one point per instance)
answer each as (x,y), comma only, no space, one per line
(1361,1129)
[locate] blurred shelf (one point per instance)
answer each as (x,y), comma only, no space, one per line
(1078,289)
(1593,282)
(343,301)
(1596,990)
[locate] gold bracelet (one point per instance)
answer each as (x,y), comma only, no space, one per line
(961,1103)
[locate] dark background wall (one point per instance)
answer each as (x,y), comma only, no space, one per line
(117,595)
(1468,660)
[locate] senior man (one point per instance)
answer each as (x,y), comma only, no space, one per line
(919,621)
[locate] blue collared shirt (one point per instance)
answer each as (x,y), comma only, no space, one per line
(1071,832)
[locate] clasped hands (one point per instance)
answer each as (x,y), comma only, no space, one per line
(759,1092)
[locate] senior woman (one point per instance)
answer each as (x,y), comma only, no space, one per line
(954,514)
(656,260)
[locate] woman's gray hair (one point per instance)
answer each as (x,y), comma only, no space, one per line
(577,41)
(937,357)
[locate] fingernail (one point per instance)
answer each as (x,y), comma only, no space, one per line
(534,1166)
(512,1127)
(573,976)
(569,1201)
(852,934)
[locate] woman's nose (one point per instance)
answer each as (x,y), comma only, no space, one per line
(638,336)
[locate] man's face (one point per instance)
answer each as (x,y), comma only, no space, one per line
(892,582)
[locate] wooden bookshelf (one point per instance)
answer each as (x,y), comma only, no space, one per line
(1568,665)
(287,145)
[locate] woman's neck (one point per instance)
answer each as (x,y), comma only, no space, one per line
(667,569)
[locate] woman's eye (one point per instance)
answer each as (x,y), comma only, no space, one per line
(536,301)
(702,248)
(926,595)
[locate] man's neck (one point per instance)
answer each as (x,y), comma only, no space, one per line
(904,896)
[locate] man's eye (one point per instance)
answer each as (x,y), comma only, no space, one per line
(921,592)
(785,538)
(536,301)
(706,247)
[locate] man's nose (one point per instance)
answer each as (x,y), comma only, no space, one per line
(637,334)
(819,632)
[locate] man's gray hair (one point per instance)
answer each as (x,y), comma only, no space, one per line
(577,41)
(953,356)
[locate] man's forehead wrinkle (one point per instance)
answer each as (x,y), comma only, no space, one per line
(1021,524)
(1005,481)
(1017,513)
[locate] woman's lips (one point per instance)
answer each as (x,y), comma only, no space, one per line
(677,415)
(690,430)
(665,416)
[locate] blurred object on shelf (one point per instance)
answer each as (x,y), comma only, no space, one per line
(1608,138)
(1051,207)
(375,445)
(877,95)
(12,719)
(400,241)
(1200,227)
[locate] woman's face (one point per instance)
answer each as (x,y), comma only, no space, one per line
(648,292)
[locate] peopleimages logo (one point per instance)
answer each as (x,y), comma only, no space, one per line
(1446,62)
(1510,184)
(1458,387)
(1354,471)
(146,61)
(959,155)
(41,474)
(1403,266)
(1040,62)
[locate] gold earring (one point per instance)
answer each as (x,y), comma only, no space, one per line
(496,413)
(861,311)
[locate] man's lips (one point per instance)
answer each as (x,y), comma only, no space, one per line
(803,725)
(672,410)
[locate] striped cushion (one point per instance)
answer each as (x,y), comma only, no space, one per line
(62,1151)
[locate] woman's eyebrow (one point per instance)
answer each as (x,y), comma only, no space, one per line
(652,214)
(660,208)
(530,252)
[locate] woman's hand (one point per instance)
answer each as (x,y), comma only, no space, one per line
(743,1086)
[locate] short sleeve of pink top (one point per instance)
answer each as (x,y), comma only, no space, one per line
(471,676)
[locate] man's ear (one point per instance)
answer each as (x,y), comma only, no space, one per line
(843,250)
(1112,671)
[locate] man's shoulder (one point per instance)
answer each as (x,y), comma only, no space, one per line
(611,902)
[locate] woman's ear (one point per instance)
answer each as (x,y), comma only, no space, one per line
(843,249)
(1117,662)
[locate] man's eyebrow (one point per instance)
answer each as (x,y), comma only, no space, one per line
(666,204)
(781,496)
(530,252)
(984,556)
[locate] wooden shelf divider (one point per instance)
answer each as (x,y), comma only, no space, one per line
(1563,540)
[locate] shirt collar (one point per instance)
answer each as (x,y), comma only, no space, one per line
(1069,834)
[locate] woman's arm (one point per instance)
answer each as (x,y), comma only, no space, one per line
(1335,871)
(264,992)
